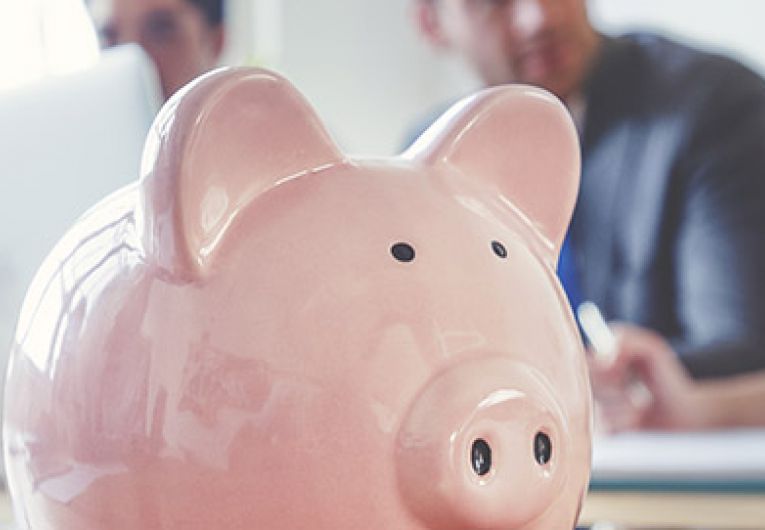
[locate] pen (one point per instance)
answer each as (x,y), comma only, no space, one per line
(598,334)
(603,342)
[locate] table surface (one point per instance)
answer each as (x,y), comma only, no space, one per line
(637,510)
(676,510)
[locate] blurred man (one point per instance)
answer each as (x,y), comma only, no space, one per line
(183,37)
(668,231)
(545,43)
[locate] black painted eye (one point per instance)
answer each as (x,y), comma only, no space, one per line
(499,249)
(402,252)
(542,448)
(480,457)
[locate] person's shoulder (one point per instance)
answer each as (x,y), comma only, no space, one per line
(675,67)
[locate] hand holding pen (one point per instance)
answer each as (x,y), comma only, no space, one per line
(637,380)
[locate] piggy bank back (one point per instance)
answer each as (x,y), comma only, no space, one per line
(264,333)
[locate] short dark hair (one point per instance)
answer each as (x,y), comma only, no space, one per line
(211,9)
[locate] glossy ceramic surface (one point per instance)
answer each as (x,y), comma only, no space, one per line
(263,333)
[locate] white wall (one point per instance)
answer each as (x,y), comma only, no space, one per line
(42,37)
(363,66)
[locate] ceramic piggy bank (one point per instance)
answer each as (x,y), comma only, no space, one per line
(263,333)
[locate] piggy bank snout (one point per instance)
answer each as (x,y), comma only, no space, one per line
(483,446)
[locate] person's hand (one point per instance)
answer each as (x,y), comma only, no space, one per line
(642,385)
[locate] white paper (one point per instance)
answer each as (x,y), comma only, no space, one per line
(709,456)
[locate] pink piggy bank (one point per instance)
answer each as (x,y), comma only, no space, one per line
(265,334)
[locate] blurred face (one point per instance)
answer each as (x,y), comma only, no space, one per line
(173,32)
(548,43)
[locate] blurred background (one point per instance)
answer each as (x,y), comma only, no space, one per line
(361,64)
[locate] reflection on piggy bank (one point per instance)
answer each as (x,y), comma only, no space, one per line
(265,334)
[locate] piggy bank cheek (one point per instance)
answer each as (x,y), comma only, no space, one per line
(483,446)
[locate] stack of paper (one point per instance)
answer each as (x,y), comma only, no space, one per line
(731,460)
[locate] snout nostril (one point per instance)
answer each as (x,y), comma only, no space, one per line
(480,456)
(542,448)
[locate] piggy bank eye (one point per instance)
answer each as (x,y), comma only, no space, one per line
(480,457)
(402,252)
(499,249)
(542,448)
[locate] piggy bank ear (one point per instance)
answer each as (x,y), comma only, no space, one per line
(521,141)
(216,146)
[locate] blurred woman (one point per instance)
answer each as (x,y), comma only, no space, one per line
(184,37)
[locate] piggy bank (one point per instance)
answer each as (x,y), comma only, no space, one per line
(263,333)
